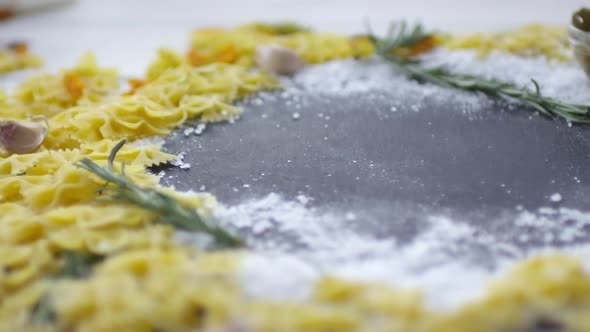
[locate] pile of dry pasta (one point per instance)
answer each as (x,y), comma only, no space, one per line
(141,280)
(16,56)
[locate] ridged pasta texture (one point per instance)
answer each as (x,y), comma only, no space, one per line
(142,279)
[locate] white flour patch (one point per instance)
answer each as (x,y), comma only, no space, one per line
(555,197)
(293,245)
(343,77)
(179,161)
(148,141)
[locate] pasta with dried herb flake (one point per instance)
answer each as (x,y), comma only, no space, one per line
(86,83)
(68,185)
(237,46)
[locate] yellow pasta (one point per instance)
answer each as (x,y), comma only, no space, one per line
(130,292)
(238,45)
(48,161)
(49,94)
(22,265)
(158,107)
(130,117)
(143,291)
(68,185)
(165,59)
(530,40)
(10,108)
(18,58)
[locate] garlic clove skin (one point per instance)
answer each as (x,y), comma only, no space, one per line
(278,60)
(21,137)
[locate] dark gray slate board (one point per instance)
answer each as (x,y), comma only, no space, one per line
(375,161)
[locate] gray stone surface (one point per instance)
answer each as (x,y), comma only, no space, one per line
(393,167)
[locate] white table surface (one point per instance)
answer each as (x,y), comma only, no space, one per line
(125,33)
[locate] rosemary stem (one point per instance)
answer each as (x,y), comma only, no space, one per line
(401,36)
(442,77)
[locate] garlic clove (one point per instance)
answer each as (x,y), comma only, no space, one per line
(21,136)
(278,60)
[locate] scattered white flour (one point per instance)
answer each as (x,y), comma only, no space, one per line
(449,260)
(555,197)
(188,131)
(303,199)
(179,161)
(566,81)
(148,141)
(198,130)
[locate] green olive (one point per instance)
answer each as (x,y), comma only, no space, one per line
(581,19)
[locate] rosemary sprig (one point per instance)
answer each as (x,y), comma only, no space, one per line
(400,36)
(171,211)
(77,264)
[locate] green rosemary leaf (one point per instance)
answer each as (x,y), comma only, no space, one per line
(537,88)
(121,189)
(399,36)
(43,312)
(75,265)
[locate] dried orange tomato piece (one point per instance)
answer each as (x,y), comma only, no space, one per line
(423,46)
(6,13)
(74,85)
(19,47)
(134,85)
(196,58)
(227,55)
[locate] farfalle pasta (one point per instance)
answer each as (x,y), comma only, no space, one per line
(49,94)
(144,291)
(131,117)
(219,79)
(238,45)
(48,161)
(17,57)
(10,108)
(159,106)
(165,59)
(22,265)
